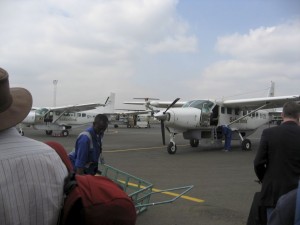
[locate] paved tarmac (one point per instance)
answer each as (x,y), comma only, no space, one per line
(224,181)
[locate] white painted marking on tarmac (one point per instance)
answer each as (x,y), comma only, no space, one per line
(189,198)
(137,149)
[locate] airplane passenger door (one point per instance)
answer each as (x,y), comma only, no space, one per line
(205,116)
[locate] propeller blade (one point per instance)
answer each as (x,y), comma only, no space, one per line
(173,103)
(162,126)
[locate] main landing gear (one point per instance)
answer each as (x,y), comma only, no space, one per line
(246,143)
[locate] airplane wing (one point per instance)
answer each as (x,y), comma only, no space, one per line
(253,103)
(135,103)
(131,112)
(159,104)
(166,104)
(76,108)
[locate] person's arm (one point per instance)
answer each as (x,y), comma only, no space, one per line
(261,158)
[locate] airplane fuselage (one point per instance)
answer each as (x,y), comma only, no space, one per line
(199,120)
(45,119)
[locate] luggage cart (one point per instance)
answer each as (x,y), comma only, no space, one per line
(139,190)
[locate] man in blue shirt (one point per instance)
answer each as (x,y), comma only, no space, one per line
(88,147)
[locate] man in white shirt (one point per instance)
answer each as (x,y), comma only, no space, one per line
(31,173)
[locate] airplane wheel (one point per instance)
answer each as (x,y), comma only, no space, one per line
(22,133)
(65,133)
(172,148)
(194,142)
(246,144)
(116,126)
(48,132)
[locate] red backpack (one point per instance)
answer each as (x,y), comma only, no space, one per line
(93,200)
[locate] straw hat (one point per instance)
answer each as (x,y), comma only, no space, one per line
(15,103)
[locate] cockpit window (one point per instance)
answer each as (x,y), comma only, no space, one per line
(199,104)
(41,111)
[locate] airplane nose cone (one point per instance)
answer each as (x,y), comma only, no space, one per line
(160,116)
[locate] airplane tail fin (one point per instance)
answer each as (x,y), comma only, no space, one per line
(272,89)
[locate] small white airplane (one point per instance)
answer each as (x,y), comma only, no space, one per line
(149,103)
(198,120)
(65,118)
(60,119)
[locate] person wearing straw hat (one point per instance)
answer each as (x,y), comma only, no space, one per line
(31,173)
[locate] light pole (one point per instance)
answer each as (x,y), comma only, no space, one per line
(54,93)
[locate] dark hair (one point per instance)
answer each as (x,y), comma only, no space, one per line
(101,117)
(291,110)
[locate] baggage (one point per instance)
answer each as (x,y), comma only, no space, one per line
(258,213)
(93,200)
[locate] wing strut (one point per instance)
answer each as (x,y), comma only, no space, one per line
(253,111)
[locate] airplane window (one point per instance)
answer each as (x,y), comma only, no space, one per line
(222,110)
(79,114)
(188,104)
(41,111)
(236,111)
(202,104)
(229,110)
(83,115)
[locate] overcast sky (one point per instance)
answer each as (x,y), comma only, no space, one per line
(192,49)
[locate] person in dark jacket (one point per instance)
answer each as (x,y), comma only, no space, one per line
(277,162)
(284,212)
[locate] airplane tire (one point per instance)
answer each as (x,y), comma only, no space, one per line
(22,133)
(116,126)
(172,148)
(194,142)
(246,144)
(65,133)
(48,132)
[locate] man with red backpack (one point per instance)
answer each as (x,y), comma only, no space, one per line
(93,200)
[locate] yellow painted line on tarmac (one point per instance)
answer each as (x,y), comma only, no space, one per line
(176,195)
(198,200)
(137,149)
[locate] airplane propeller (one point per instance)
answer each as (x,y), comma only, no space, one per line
(162,125)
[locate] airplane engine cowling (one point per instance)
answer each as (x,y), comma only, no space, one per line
(30,118)
(187,118)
